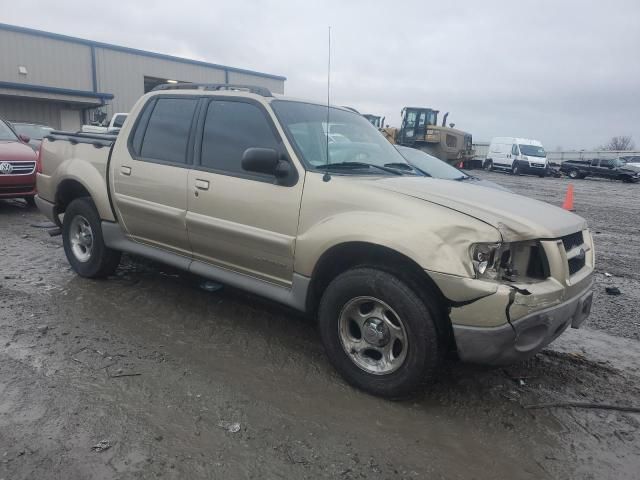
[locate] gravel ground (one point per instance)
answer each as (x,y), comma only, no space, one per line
(184,383)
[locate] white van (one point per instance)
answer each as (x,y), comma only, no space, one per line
(518,155)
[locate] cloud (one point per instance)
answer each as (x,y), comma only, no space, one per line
(564,72)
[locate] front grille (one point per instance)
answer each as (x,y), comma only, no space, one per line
(576,252)
(572,241)
(538,266)
(536,165)
(576,264)
(20,168)
(15,188)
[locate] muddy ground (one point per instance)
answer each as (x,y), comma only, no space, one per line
(185,383)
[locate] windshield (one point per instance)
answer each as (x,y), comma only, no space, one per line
(352,139)
(532,151)
(6,134)
(431,165)
(35,132)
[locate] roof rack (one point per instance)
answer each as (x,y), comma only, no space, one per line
(265,92)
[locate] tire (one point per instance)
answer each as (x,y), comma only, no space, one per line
(414,341)
(574,174)
(31,201)
(488,165)
(515,169)
(83,243)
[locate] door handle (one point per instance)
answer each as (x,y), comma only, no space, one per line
(202,184)
(125,170)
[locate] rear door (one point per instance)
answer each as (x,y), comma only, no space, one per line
(237,220)
(150,175)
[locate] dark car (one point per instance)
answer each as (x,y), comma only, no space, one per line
(18,165)
(612,168)
(34,131)
(431,166)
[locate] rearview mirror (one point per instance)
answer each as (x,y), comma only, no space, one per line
(267,161)
(24,138)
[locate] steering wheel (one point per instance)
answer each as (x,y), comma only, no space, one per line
(359,156)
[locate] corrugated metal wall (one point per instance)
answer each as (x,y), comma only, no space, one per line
(49,62)
(64,62)
(123,73)
(32,111)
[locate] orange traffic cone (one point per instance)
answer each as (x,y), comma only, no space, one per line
(568,199)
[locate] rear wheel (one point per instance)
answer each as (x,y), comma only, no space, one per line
(30,199)
(83,242)
(378,333)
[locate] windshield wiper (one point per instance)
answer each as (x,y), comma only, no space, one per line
(465,177)
(357,165)
(401,166)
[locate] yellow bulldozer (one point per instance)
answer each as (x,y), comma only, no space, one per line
(420,130)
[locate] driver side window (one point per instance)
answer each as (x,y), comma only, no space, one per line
(514,149)
(230,128)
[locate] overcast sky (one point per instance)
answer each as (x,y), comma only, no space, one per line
(565,72)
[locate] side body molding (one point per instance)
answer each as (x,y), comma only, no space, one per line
(294,297)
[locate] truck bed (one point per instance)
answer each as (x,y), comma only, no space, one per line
(81,157)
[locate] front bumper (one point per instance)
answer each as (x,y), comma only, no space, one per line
(533,168)
(15,186)
(523,338)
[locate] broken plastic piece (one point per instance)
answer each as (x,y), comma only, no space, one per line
(231,427)
(101,446)
(613,290)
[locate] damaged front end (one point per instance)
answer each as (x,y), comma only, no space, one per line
(523,296)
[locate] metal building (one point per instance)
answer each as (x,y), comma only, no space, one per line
(65,81)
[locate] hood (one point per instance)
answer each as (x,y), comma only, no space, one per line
(485,183)
(516,217)
(632,167)
(12,150)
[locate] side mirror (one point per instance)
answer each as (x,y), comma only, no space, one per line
(267,161)
(24,138)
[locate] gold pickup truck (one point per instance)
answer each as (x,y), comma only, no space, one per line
(243,187)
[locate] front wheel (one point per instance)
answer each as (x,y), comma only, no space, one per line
(378,333)
(515,169)
(573,173)
(83,243)
(31,201)
(488,165)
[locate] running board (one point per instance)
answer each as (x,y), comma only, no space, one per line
(294,297)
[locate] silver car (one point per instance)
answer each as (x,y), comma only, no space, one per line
(431,166)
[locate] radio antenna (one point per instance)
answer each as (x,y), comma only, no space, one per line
(326,176)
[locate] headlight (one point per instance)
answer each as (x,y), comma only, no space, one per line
(488,258)
(431,132)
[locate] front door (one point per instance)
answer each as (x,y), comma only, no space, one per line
(237,220)
(150,174)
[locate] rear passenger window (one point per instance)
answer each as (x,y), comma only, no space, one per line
(167,133)
(229,129)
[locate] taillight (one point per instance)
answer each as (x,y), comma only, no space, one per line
(39,159)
